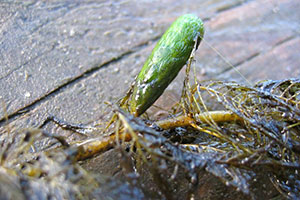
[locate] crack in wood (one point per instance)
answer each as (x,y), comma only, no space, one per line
(253,56)
(75,80)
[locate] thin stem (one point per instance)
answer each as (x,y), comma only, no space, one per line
(205,117)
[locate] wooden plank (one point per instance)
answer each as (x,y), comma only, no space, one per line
(281,62)
(248,35)
(45,45)
(244,32)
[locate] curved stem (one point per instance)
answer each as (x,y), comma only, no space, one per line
(205,117)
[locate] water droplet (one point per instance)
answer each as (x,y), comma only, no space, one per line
(72,32)
(27,94)
(116,70)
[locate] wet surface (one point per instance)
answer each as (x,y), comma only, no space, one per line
(66,59)
(50,51)
(48,46)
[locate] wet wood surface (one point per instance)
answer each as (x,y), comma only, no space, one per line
(67,58)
